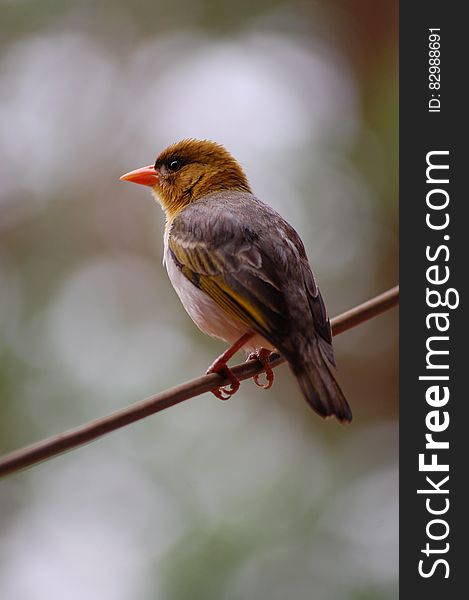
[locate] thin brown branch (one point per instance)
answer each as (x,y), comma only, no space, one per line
(52,446)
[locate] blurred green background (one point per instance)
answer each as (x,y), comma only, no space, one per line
(254,498)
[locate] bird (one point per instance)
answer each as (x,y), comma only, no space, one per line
(241,271)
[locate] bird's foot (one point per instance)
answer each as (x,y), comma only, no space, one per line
(224,393)
(263,356)
(219,366)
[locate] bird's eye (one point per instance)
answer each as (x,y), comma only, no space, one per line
(174,165)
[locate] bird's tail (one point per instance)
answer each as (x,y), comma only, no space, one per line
(318,384)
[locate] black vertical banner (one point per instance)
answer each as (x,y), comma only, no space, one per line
(434,208)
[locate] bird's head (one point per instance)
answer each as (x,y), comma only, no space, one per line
(187,171)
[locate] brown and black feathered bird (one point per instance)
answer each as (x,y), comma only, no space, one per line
(241,270)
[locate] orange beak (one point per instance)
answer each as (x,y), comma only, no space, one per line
(144,176)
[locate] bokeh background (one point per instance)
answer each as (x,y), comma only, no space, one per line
(253,498)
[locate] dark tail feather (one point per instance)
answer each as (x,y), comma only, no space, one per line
(318,384)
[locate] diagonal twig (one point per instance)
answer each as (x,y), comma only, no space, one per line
(54,445)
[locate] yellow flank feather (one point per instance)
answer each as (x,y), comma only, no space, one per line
(205,272)
(236,304)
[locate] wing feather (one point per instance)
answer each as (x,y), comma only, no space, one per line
(253,264)
(233,271)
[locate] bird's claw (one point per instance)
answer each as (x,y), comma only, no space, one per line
(262,355)
(224,393)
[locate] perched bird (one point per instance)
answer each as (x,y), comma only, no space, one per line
(241,270)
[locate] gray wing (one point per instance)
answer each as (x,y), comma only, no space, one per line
(248,259)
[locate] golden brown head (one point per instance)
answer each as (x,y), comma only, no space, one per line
(189,170)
